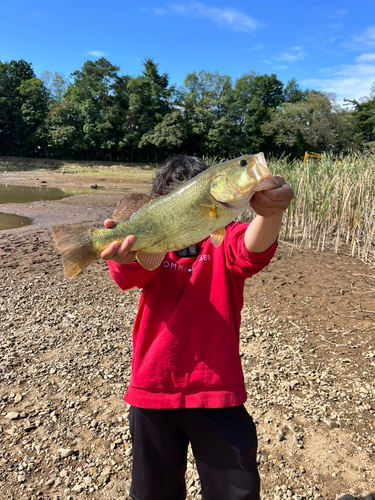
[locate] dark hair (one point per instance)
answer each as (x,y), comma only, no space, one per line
(179,167)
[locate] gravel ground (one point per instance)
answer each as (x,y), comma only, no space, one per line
(307,345)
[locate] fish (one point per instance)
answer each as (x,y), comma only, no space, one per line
(192,211)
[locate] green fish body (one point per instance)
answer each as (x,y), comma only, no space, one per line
(194,210)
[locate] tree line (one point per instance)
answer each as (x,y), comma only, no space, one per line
(99,114)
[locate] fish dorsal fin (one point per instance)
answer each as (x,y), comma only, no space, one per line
(176,184)
(129,204)
(217,237)
(150,261)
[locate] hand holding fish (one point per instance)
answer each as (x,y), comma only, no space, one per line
(119,252)
(273,201)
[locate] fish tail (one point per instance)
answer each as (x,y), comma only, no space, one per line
(76,246)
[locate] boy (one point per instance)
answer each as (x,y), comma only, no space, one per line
(187,383)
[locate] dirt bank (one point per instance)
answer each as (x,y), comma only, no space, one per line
(307,344)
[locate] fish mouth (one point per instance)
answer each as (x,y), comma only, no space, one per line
(236,190)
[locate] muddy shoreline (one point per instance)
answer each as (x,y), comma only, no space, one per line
(307,344)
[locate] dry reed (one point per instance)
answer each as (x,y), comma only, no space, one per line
(334,203)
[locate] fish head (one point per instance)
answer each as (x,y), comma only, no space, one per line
(236,182)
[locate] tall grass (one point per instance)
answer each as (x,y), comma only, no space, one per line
(334,203)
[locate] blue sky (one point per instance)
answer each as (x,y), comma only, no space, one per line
(328,46)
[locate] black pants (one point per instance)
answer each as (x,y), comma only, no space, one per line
(224,444)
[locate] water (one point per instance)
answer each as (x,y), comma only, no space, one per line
(25,194)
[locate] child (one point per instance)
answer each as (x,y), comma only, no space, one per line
(187,383)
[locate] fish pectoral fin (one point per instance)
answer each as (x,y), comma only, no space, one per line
(217,237)
(150,261)
(129,204)
(211,210)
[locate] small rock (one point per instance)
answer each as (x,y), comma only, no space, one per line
(66,452)
(50,482)
(106,471)
(78,488)
(12,415)
(29,427)
(275,456)
(281,437)
(18,398)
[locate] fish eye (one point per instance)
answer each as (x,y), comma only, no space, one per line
(243,163)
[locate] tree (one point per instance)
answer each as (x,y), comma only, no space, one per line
(256,96)
(293,93)
(206,101)
(316,123)
(23,101)
(364,122)
(56,83)
(168,135)
(149,102)
(92,91)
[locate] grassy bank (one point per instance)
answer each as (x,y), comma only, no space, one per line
(106,168)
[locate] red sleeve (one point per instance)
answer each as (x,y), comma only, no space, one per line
(127,276)
(238,258)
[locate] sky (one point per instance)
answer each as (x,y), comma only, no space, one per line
(325,45)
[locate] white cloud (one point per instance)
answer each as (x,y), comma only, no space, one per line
(364,58)
(96,53)
(229,17)
(364,41)
(295,54)
(350,81)
(367,37)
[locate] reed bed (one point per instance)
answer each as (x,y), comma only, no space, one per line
(334,203)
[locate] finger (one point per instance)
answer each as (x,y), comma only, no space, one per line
(127,245)
(262,198)
(110,223)
(280,180)
(280,194)
(110,252)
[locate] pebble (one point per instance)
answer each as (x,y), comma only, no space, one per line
(66,452)
(12,415)
(78,488)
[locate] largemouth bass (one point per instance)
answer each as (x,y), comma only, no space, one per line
(194,210)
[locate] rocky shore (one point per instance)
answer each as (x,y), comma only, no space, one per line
(308,351)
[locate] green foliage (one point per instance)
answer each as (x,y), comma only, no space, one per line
(23,108)
(99,114)
(364,121)
(315,123)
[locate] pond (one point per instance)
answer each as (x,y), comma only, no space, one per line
(25,194)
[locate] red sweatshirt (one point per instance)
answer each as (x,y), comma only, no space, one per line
(186,333)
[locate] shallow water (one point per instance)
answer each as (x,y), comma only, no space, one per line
(11,221)
(25,194)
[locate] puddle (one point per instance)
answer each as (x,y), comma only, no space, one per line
(25,194)
(11,221)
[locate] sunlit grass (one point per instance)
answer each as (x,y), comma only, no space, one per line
(334,203)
